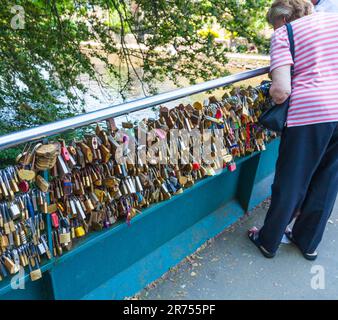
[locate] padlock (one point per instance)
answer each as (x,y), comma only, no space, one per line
(196,166)
(67,186)
(35,274)
(232,166)
(62,166)
(183,180)
(41,248)
(27,175)
(106,155)
(88,205)
(64,151)
(65,238)
(79,231)
(15,211)
(10,265)
(80,157)
(23,186)
(80,208)
(88,154)
(42,184)
(210,171)
(55,220)
(44,207)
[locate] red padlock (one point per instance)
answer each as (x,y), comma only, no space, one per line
(218,114)
(64,151)
(232,166)
(55,220)
(23,186)
(196,166)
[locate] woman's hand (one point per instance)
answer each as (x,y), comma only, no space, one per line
(281,84)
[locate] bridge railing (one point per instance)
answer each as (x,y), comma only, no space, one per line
(120,261)
(49,129)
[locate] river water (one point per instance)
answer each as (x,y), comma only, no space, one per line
(110,97)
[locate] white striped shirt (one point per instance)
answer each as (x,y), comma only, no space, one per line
(327,6)
(314,97)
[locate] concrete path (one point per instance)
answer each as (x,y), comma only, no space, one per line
(230,267)
(248,56)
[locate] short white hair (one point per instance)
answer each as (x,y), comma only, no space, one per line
(289,9)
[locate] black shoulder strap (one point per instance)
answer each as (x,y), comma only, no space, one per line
(292,43)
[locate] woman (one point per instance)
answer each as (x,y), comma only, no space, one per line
(306,178)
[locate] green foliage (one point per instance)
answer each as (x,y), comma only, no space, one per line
(40,65)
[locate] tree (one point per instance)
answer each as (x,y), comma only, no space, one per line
(46,45)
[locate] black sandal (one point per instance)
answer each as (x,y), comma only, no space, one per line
(253,236)
(308,256)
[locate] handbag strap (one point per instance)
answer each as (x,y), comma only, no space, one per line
(292,44)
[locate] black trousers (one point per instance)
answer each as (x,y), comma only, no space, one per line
(306,180)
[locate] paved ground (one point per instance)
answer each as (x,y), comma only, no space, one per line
(230,267)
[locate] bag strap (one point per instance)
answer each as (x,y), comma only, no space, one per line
(292,44)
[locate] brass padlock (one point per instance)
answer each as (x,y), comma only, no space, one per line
(79,231)
(88,154)
(106,155)
(10,265)
(35,274)
(65,238)
(88,204)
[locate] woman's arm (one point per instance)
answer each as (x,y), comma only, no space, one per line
(281,84)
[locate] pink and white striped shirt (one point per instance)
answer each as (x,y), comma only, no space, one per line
(314,97)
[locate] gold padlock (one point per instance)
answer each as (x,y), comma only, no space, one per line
(88,204)
(10,265)
(36,274)
(87,152)
(106,155)
(27,175)
(100,195)
(79,231)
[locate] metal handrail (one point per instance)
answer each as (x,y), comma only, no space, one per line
(82,120)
